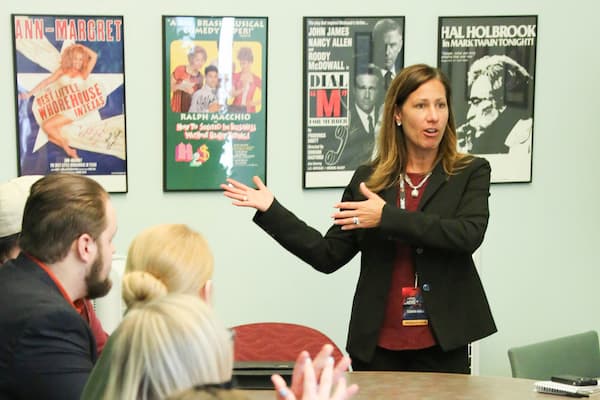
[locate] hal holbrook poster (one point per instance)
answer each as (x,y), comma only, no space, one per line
(70,98)
(490,62)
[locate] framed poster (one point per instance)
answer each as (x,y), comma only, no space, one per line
(70,96)
(490,62)
(349,63)
(214,101)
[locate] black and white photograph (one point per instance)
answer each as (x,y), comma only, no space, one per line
(490,62)
(349,63)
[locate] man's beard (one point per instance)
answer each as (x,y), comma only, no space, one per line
(95,286)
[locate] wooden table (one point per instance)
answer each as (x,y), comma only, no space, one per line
(424,386)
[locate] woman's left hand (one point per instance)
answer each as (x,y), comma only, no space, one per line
(319,364)
(315,385)
(360,214)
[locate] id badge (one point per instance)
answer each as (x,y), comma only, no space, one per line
(413,310)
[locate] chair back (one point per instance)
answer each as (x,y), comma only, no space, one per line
(278,341)
(575,355)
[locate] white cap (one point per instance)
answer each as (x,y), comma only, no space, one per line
(13,195)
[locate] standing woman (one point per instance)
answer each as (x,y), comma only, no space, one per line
(76,64)
(416,213)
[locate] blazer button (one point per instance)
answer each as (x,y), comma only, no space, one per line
(419,250)
(426,287)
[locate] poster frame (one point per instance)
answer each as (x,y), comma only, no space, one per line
(92,140)
(509,143)
(182,175)
(330,156)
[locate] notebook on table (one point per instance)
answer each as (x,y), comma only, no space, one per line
(567,390)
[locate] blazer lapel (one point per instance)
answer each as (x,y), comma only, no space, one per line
(390,195)
(437,179)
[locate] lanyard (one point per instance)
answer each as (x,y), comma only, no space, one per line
(402,193)
(403,206)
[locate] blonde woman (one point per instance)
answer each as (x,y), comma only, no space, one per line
(168,258)
(164,346)
(174,347)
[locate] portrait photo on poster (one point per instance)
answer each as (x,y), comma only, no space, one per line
(490,62)
(70,96)
(214,101)
(349,63)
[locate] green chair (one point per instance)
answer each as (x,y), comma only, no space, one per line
(575,355)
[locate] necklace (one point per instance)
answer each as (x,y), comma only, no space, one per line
(415,189)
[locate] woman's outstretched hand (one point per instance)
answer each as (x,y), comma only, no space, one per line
(245,196)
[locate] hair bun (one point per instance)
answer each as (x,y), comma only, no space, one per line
(140,287)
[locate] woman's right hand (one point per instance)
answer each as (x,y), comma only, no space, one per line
(245,196)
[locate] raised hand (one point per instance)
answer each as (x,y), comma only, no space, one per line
(297,384)
(245,196)
(316,383)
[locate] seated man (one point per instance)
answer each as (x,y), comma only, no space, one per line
(13,195)
(46,349)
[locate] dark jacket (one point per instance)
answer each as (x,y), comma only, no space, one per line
(47,350)
(448,227)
